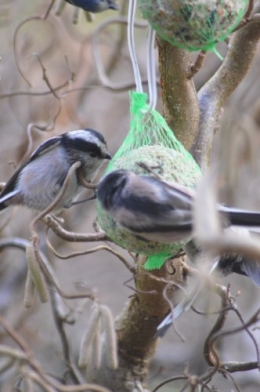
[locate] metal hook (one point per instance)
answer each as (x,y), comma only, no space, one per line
(151,74)
(131,45)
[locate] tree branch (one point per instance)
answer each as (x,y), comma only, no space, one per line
(215,92)
(180,102)
(136,326)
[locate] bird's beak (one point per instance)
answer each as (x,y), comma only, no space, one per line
(107,156)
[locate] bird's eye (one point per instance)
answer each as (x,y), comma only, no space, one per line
(93,154)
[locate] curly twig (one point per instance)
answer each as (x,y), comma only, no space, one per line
(45,16)
(71,236)
(45,379)
(92,250)
(209,352)
(234,366)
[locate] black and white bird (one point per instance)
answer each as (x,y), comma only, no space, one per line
(156,210)
(94,6)
(159,211)
(38,181)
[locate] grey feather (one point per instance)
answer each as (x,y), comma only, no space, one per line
(37,182)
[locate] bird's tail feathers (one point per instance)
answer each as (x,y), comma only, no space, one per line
(4,199)
(242,217)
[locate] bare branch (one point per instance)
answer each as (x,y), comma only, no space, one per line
(209,352)
(93,250)
(45,16)
(194,68)
(73,237)
(215,92)
(181,107)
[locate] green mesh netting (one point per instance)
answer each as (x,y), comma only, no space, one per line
(193,24)
(152,142)
(147,128)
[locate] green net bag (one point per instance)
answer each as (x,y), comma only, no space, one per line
(193,24)
(152,142)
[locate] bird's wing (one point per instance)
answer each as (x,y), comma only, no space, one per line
(45,147)
(9,189)
(181,188)
(42,149)
(150,205)
(5,198)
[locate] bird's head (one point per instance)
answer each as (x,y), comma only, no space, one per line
(87,146)
(110,187)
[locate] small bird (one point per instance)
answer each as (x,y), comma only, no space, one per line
(94,6)
(159,211)
(38,181)
(156,210)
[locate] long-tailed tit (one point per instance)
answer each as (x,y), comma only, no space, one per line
(94,6)
(37,182)
(160,211)
(155,210)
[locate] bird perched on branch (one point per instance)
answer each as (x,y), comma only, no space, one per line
(156,210)
(159,211)
(94,6)
(37,182)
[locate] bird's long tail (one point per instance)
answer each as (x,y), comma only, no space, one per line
(5,198)
(245,218)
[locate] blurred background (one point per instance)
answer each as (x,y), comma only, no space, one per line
(39,55)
